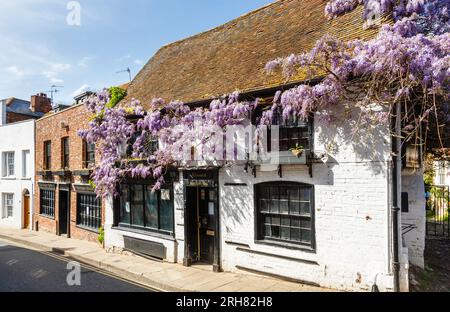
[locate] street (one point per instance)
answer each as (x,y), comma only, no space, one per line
(24,270)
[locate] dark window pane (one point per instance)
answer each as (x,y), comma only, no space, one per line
(306,235)
(275,231)
(295,234)
(295,222)
(137,214)
(137,205)
(304,209)
(306,224)
(305,194)
(285,233)
(125,205)
(284,200)
(151,208)
(286,221)
(267,231)
(166,211)
(264,205)
(276,220)
(274,203)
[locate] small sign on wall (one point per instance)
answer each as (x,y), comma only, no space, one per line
(165,194)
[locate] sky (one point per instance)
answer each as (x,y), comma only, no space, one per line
(82,45)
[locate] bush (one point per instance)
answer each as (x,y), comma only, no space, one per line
(101,235)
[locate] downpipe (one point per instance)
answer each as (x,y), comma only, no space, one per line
(396,179)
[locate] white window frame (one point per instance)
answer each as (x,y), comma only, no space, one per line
(8,205)
(8,166)
(26,165)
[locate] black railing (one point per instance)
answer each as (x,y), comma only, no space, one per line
(437,211)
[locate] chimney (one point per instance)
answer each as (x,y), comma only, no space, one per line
(40,103)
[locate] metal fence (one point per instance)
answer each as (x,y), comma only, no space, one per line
(437,205)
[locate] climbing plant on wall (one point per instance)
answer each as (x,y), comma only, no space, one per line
(407,63)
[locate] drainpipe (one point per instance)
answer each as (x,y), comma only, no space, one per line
(397,165)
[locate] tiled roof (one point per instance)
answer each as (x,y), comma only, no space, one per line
(233,56)
(18,106)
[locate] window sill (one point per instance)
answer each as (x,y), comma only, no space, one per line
(26,179)
(47,216)
(286,245)
(9,178)
(144,232)
(86,228)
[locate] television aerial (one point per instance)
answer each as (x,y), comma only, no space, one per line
(128,70)
(53,90)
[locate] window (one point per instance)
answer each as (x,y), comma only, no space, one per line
(47,155)
(47,203)
(8,204)
(151,145)
(89,211)
(441,173)
(141,208)
(285,213)
(292,132)
(89,155)
(25,164)
(8,164)
(64,153)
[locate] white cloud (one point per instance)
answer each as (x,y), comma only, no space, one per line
(82,89)
(19,72)
(84,62)
(138,62)
(123,58)
(56,69)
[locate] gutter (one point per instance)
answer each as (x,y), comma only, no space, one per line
(396,180)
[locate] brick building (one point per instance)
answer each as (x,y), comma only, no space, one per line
(65,201)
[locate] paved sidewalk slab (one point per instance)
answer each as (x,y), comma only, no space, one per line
(161,275)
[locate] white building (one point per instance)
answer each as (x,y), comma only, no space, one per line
(442,173)
(327,219)
(17,174)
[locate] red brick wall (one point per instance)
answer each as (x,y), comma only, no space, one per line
(14,117)
(41,103)
(53,128)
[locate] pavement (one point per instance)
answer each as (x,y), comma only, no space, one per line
(160,276)
(27,270)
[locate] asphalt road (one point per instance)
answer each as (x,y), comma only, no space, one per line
(25,270)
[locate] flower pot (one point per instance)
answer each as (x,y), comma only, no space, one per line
(297,152)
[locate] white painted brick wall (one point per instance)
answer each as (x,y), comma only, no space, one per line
(351,215)
(414,240)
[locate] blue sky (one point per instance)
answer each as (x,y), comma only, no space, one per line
(38,48)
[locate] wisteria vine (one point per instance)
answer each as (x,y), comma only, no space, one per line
(408,63)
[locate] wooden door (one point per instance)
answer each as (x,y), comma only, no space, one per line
(26,211)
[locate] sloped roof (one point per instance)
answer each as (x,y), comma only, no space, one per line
(18,106)
(233,56)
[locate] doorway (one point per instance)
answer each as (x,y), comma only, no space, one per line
(26,209)
(64,208)
(200,203)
